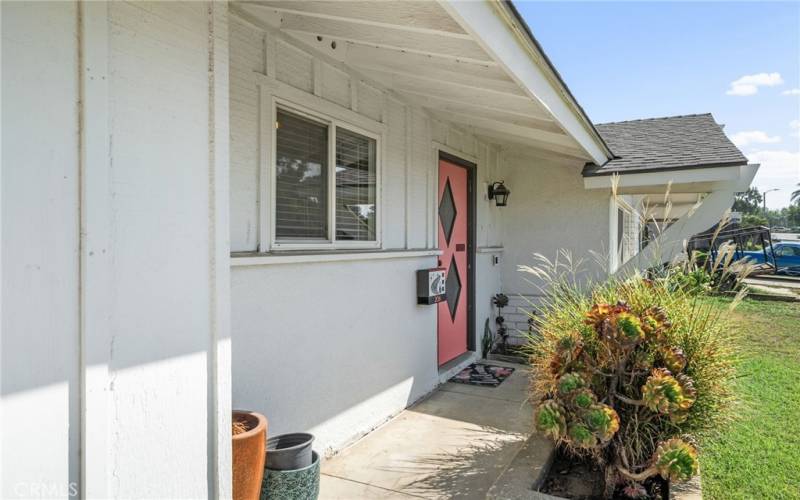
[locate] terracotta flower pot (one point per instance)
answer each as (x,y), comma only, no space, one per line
(249,454)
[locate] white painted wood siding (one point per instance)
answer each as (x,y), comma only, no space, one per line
(39,368)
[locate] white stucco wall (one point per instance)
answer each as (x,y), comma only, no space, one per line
(549,210)
(115,261)
(332,347)
(338,347)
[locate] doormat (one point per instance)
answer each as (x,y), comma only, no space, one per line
(479,374)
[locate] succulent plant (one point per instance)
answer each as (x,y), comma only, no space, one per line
(600,312)
(602,420)
(570,382)
(581,436)
(616,384)
(643,359)
(583,398)
(673,358)
(551,419)
(668,395)
(676,460)
(655,321)
(568,354)
(628,327)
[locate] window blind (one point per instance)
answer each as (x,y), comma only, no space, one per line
(301,181)
(355,186)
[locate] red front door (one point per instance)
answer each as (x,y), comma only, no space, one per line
(453,236)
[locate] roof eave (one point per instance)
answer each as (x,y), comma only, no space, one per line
(498,28)
(563,87)
(592,170)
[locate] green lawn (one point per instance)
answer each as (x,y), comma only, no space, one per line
(758,456)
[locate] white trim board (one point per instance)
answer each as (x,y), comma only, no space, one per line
(251,259)
(670,177)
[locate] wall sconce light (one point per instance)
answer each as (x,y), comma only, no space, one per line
(499,193)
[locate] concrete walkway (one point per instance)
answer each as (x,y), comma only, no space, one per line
(454,444)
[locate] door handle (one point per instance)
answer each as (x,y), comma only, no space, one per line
(460,247)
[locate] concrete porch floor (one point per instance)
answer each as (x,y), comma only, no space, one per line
(456,443)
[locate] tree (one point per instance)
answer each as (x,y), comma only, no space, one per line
(750,220)
(796,195)
(748,202)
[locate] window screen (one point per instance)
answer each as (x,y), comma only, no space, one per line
(355,186)
(301,182)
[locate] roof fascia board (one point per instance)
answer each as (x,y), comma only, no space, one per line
(741,175)
(497,31)
(746,175)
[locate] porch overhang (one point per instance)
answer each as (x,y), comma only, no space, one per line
(687,180)
(471,64)
(694,199)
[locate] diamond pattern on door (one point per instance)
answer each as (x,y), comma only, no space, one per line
(447,212)
(453,287)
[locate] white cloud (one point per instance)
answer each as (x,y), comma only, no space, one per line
(795,126)
(748,137)
(779,169)
(791,92)
(748,84)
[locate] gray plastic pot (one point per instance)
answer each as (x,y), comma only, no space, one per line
(289,451)
(300,484)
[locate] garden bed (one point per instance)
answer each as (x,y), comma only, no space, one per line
(581,480)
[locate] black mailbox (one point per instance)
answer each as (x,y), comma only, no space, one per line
(430,286)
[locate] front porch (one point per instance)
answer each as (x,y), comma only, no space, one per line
(456,443)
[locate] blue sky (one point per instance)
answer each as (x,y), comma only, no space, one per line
(628,60)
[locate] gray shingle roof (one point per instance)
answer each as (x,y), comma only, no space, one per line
(670,143)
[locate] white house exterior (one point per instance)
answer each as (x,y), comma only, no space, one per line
(165,259)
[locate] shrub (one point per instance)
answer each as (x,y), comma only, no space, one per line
(629,374)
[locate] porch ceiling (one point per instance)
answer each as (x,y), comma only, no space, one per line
(419,51)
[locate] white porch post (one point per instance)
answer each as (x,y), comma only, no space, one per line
(219,376)
(95,249)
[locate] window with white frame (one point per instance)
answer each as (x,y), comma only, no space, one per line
(326,183)
(628,231)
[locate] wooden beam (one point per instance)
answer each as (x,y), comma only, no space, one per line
(511,129)
(525,151)
(485,97)
(421,43)
(432,73)
(495,136)
(532,118)
(275,34)
(410,61)
(461,97)
(414,17)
